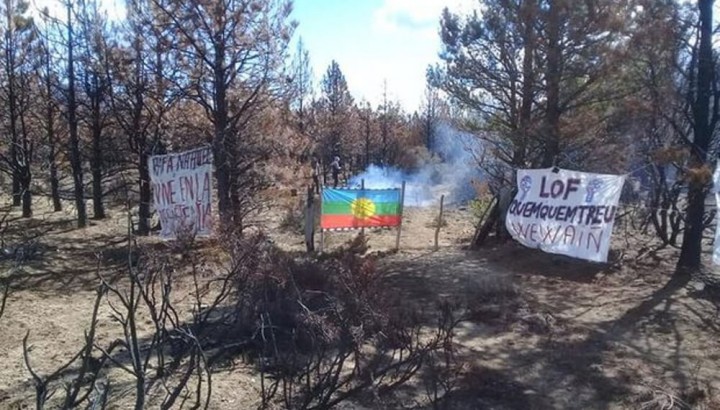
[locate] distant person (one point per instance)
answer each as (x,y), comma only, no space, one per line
(316,171)
(336,168)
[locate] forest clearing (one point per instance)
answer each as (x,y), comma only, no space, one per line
(540,331)
(455,204)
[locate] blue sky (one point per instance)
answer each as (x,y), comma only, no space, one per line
(374,41)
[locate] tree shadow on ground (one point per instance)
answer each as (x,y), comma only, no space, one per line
(558,360)
(549,368)
(66,265)
(486,388)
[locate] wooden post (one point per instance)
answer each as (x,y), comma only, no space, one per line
(439,221)
(322,232)
(310,221)
(402,205)
(362,192)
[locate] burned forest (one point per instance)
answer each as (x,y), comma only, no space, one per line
(316,204)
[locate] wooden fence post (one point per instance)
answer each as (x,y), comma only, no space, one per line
(322,232)
(310,221)
(362,192)
(439,222)
(402,205)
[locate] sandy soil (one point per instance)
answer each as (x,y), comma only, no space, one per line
(545,331)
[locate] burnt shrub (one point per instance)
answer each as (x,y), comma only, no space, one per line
(321,329)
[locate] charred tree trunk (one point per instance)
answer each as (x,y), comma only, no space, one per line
(52,163)
(485,225)
(145,196)
(24,171)
(14,160)
(138,142)
(16,189)
(75,157)
(528,18)
(25,180)
(50,113)
(12,108)
(222,174)
(54,181)
(223,163)
(96,89)
(96,167)
(234,193)
(703,128)
(553,75)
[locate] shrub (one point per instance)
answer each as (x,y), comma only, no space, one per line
(326,329)
(320,330)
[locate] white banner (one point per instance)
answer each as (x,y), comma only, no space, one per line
(566,212)
(716,188)
(182,191)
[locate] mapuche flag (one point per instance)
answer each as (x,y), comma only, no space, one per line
(363,208)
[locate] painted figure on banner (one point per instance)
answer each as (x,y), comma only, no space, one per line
(566,212)
(525,185)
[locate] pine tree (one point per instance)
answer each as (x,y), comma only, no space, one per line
(534,70)
(233,54)
(49,118)
(336,104)
(705,113)
(71,110)
(19,48)
(141,93)
(95,86)
(302,85)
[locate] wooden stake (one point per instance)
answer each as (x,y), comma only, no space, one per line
(402,205)
(362,192)
(310,221)
(321,245)
(439,221)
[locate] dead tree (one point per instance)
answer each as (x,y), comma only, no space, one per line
(49,120)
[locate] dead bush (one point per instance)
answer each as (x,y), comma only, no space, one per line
(167,365)
(320,330)
(323,330)
(697,396)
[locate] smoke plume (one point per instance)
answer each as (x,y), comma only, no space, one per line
(449,171)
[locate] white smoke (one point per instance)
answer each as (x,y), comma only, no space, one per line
(450,171)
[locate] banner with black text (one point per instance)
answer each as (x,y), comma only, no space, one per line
(565,212)
(182,191)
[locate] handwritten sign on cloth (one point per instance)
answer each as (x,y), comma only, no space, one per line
(566,212)
(182,191)
(716,189)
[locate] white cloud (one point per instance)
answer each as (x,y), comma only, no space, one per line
(405,34)
(416,16)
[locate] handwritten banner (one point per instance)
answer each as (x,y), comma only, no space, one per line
(182,191)
(566,212)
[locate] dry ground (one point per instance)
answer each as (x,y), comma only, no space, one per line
(544,331)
